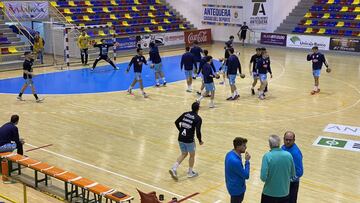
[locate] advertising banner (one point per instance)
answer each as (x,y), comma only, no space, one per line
(222,14)
(27,10)
(273,39)
(258,13)
(345,44)
(161,39)
(307,41)
(202,36)
(126,43)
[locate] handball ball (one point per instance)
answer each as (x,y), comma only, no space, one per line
(328,70)
(242,75)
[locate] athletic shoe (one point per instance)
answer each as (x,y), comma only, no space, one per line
(237,97)
(192,174)
(318,90)
(252,91)
(92,69)
(194,77)
(261,97)
(145,95)
(20,98)
(173,174)
(211,105)
(313,92)
(116,68)
(198,92)
(189,90)
(266,89)
(157,85)
(230,98)
(129,91)
(39,100)
(164,84)
(208,95)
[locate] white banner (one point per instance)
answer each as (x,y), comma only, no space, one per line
(343,129)
(336,143)
(222,14)
(162,39)
(28,10)
(258,14)
(307,41)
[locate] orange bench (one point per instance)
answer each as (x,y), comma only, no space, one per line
(76,182)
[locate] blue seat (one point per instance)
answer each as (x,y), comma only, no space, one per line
(348,33)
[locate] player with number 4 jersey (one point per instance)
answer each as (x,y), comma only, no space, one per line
(187,124)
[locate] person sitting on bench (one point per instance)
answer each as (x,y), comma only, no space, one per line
(9,136)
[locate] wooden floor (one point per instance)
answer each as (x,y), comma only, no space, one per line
(130,142)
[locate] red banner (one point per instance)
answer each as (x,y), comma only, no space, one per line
(202,36)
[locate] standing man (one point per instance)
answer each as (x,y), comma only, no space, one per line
(38,47)
(235,173)
(9,136)
(83,43)
(254,71)
(293,149)
(187,124)
(208,81)
(138,61)
(277,168)
(156,64)
(196,51)
(233,64)
(317,59)
(188,62)
(28,75)
(263,68)
(202,63)
(242,33)
(104,51)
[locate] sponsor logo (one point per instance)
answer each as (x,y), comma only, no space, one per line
(342,129)
(259,7)
(202,36)
(336,143)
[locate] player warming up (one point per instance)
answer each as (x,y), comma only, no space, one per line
(196,51)
(137,61)
(104,51)
(187,124)
(28,75)
(155,59)
(208,78)
(233,64)
(202,62)
(263,67)
(253,70)
(317,59)
(188,62)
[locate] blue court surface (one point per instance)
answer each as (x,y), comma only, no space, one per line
(102,79)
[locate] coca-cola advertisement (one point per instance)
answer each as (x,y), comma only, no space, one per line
(202,36)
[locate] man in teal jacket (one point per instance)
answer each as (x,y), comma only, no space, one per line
(277,169)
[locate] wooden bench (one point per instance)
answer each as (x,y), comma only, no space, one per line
(79,186)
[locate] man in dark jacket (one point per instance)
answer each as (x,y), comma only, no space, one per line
(9,137)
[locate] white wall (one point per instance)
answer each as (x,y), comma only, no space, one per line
(192,11)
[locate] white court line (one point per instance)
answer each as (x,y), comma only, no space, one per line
(218,201)
(111,172)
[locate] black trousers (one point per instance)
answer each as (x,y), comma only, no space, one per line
(84,56)
(294,188)
(19,148)
(237,199)
(268,199)
(106,58)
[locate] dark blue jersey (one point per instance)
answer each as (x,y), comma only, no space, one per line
(27,66)
(196,51)
(104,48)
(317,60)
(263,66)
(138,62)
(233,64)
(201,64)
(188,61)
(208,73)
(254,59)
(154,55)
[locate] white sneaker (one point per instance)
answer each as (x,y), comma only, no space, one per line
(173,174)
(261,97)
(192,174)
(39,100)
(116,68)
(145,95)
(211,105)
(20,98)
(189,90)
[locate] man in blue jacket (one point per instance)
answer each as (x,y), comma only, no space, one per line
(293,149)
(235,172)
(188,62)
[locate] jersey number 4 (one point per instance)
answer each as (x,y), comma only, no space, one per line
(183,133)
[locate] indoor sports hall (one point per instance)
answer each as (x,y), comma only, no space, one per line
(164,101)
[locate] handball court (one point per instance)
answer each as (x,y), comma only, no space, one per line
(128,142)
